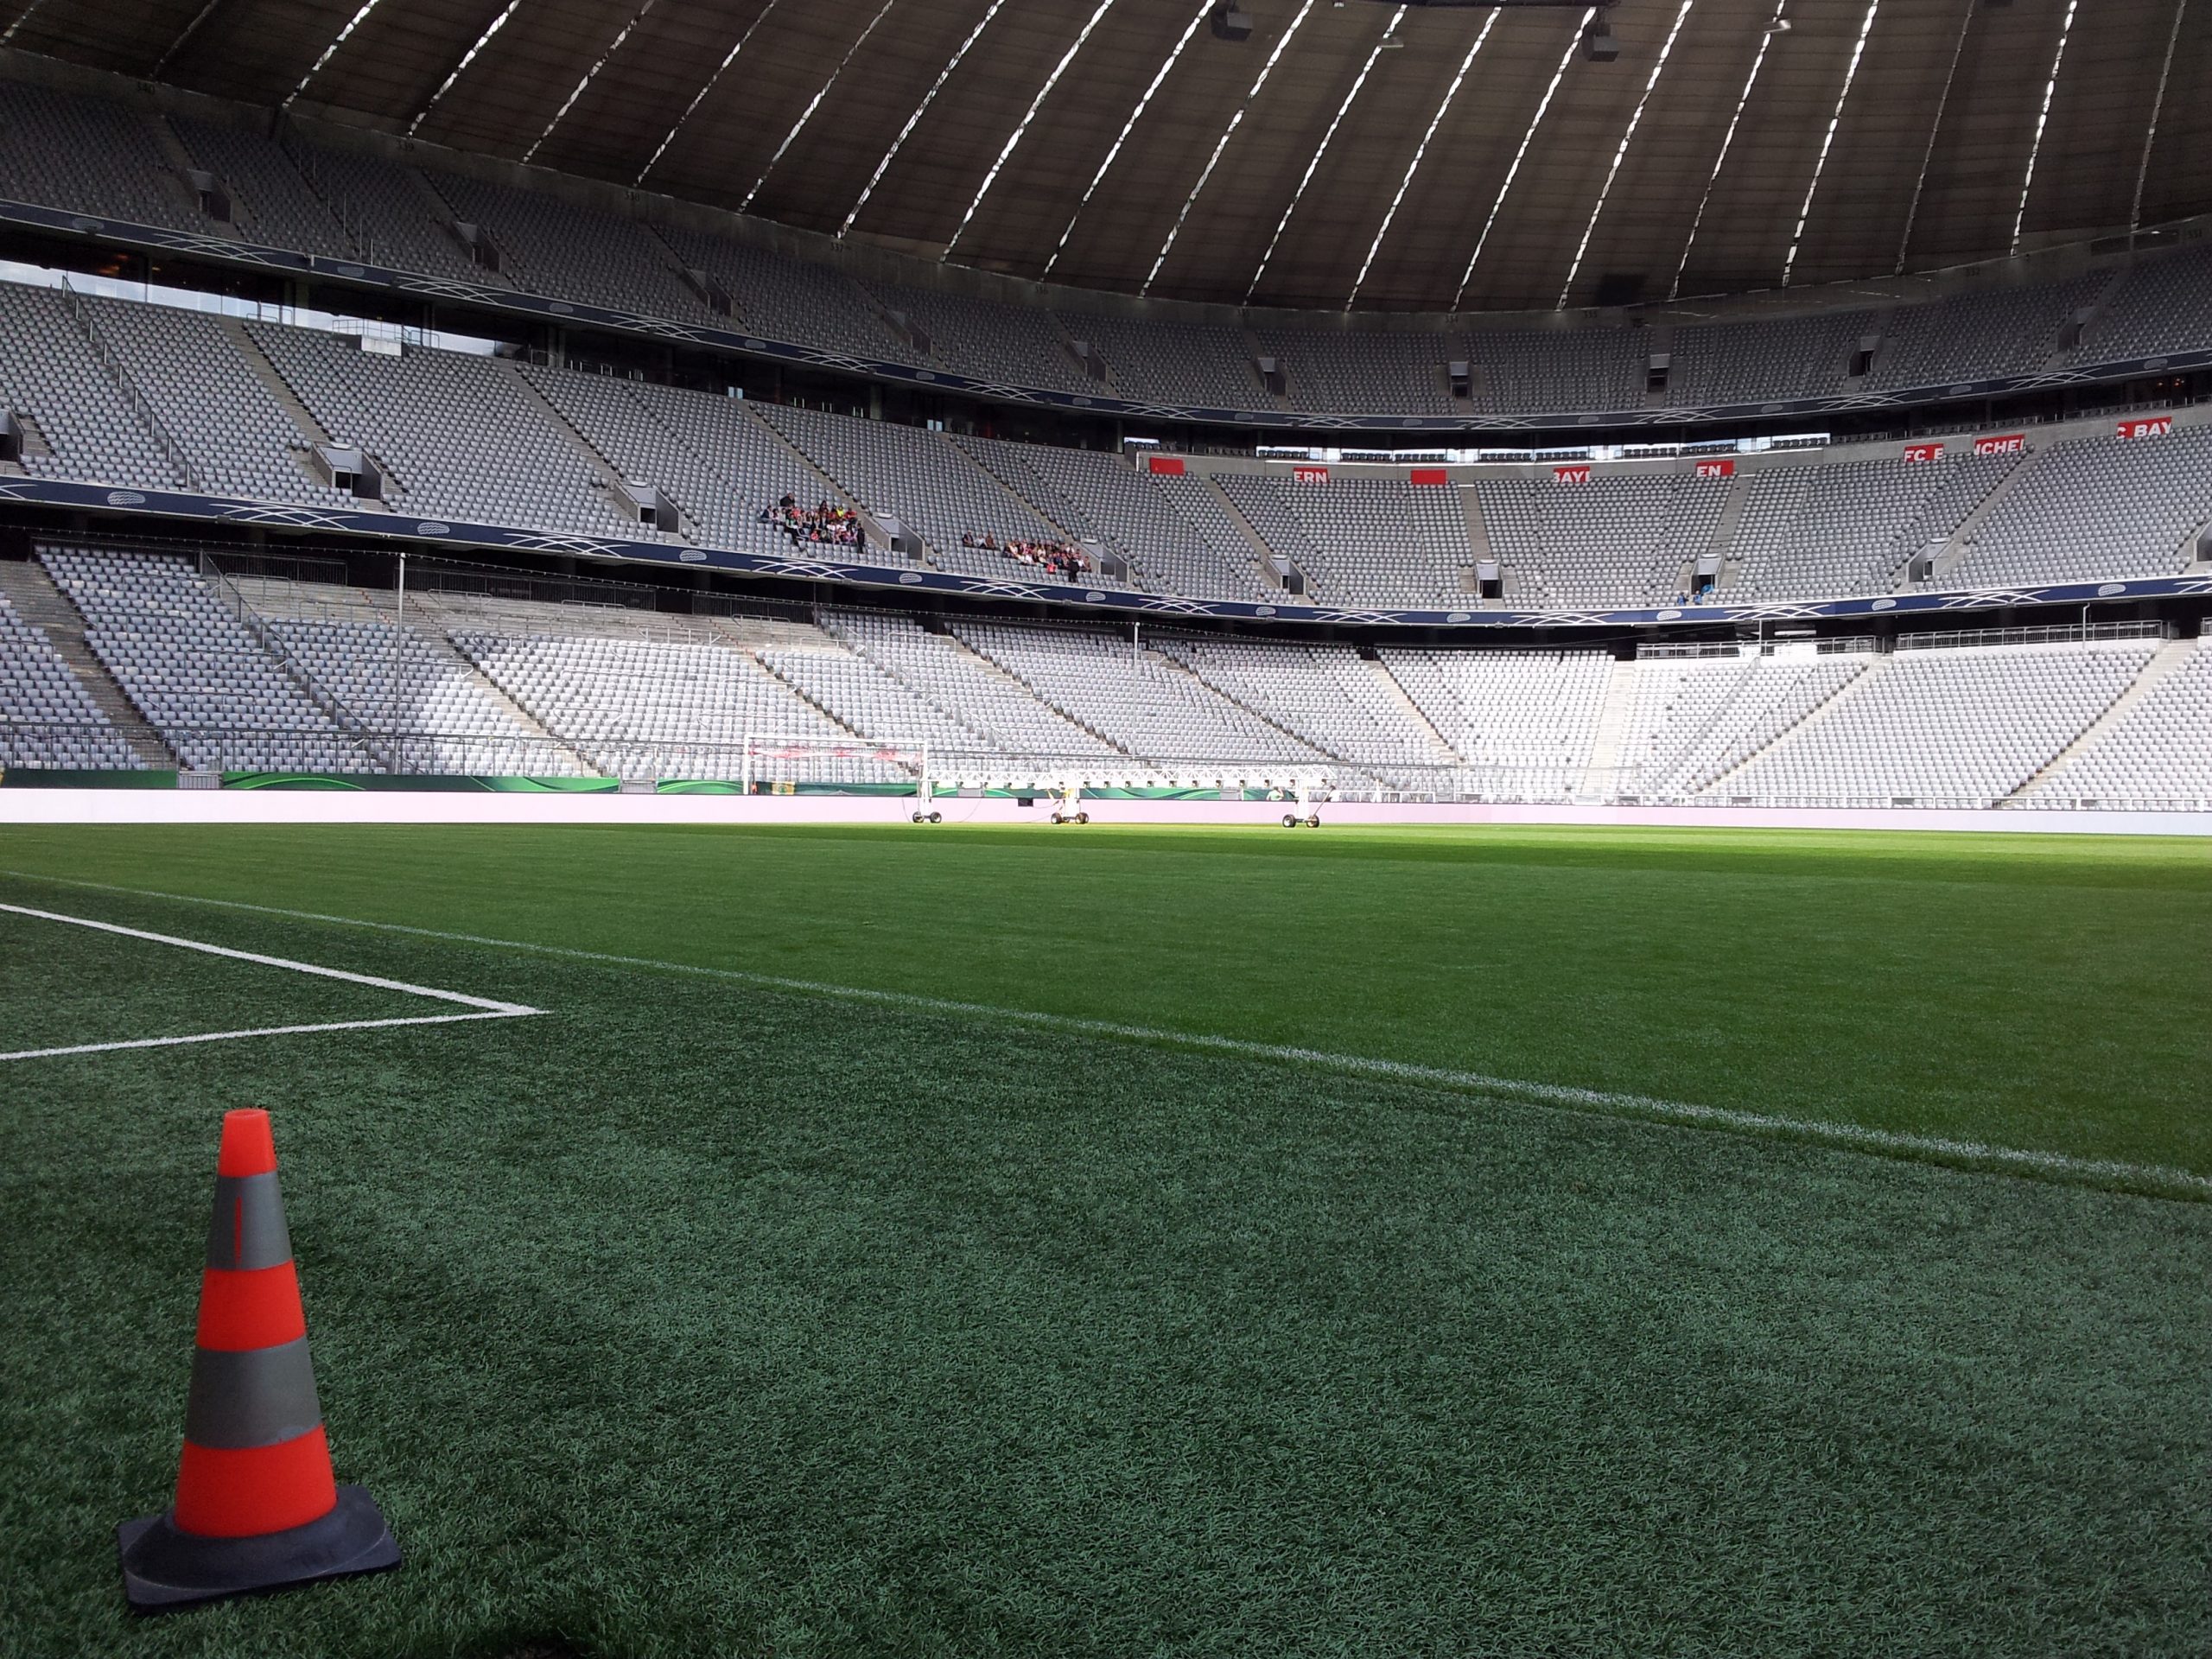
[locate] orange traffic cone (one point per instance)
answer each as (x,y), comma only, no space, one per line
(256,1508)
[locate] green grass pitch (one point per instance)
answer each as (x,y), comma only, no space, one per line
(921,1241)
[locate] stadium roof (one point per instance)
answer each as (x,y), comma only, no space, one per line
(1414,157)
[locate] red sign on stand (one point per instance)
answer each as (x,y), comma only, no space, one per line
(1166,465)
(1310,474)
(1923,452)
(2002,443)
(1716,469)
(2153,426)
(1428,475)
(1570,474)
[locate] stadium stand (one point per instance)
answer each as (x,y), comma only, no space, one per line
(1139,701)
(197,670)
(271,202)
(1595,541)
(110,157)
(1944,727)
(1524,723)
(454,434)
(2104,506)
(47,720)
(1698,718)
(89,155)
(1809,530)
(81,424)
(2156,755)
(1363,540)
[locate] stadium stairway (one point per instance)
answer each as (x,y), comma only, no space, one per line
(2036,790)
(1416,716)
(1969,531)
(603,472)
(46,608)
(1723,531)
(1606,743)
(1068,533)
(1261,551)
(1876,666)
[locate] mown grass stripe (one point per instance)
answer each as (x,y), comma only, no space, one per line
(2149,1179)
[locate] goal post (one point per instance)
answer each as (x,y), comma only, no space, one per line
(810,763)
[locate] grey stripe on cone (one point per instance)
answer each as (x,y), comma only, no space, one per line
(259,1396)
(247,1228)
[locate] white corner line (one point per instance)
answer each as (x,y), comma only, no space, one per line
(2157,1180)
(264,1031)
(487,1004)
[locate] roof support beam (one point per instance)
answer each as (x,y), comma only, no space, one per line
(815,103)
(598,64)
(1420,150)
(1221,143)
(330,51)
(466,58)
(1322,149)
(1774,26)
(1828,139)
(1620,150)
(1022,126)
(2151,132)
(1573,44)
(920,110)
(1935,127)
(699,97)
(1128,126)
(2043,119)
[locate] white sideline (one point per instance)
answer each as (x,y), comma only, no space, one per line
(2160,1178)
(486,1008)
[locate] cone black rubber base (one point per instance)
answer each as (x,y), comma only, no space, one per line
(164,1569)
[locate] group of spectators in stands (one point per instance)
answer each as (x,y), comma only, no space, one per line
(839,526)
(1062,559)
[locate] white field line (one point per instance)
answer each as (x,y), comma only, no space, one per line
(2161,1179)
(485,1008)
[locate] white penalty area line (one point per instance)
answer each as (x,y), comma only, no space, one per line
(484,1007)
(2160,1179)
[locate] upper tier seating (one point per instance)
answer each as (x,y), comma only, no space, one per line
(1195,363)
(2096,507)
(2162,305)
(456,436)
(197,671)
(789,300)
(46,718)
(271,202)
(1981,335)
(1363,540)
(1017,344)
(556,247)
(106,158)
(1714,365)
(89,155)
(50,373)
(1591,544)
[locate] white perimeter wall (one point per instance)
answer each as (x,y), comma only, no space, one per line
(65,806)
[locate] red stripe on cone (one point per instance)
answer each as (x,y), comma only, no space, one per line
(256,1308)
(242,1493)
(249,1146)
